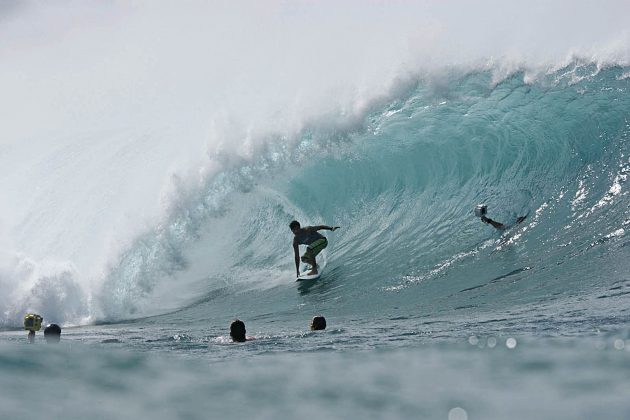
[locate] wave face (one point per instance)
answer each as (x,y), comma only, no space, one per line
(403,186)
(140,215)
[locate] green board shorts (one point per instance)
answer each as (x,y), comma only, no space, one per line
(316,247)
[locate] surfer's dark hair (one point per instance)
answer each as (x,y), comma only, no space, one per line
(318,323)
(237,330)
(294,224)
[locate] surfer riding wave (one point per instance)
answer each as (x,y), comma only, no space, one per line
(315,243)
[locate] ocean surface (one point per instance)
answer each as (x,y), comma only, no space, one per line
(149,175)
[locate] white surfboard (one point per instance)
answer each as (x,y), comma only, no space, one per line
(305,276)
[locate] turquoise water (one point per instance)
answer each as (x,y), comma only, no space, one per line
(145,237)
(565,378)
(428,309)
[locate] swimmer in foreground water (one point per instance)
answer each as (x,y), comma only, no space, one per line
(52,333)
(318,323)
(237,332)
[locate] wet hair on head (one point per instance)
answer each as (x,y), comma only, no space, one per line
(52,333)
(237,330)
(318,323)
(294,224)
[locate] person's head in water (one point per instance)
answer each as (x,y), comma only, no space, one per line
(52,333)
(237,330)
(318,323)
(295,226)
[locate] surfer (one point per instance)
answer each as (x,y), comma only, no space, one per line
(498,225)
(315,242)
(482,209)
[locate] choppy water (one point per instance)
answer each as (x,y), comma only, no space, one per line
(571,378)
(144,239)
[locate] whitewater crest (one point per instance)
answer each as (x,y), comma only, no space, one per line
(45,287)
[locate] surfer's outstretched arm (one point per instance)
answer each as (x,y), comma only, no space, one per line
(323,227)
